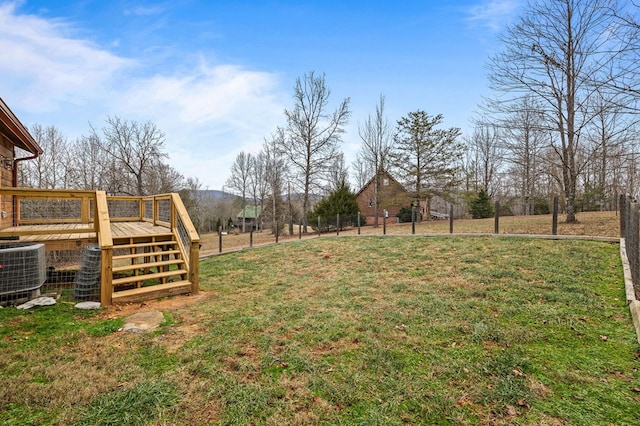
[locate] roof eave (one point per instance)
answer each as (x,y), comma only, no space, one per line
(16,132)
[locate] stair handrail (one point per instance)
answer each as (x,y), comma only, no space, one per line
(102,222)
(180,214)
(102,226)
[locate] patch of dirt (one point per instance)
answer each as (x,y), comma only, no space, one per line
(168,304)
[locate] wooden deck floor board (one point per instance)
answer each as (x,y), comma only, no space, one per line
(68,232)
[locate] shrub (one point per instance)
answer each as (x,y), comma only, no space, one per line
(340,201)
(405,214)
(482,206)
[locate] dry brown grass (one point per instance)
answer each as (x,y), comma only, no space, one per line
(595,224)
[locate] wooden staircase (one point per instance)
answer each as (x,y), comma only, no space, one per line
(147,267)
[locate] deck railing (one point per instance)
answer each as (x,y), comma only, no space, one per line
(75,212)
(28,206)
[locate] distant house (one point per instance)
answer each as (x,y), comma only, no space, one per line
(392,196)
(13,134)
(251,215)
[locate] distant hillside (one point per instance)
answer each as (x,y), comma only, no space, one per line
(213,194)
(216,194)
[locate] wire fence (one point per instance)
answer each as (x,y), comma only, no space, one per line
(593,224)
(630,231)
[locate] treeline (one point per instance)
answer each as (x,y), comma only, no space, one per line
(122,158)
(562,119)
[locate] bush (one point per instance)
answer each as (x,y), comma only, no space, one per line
(340,201)
(405,214)
(482,206)
(541,206)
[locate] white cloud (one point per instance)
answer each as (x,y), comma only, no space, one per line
(209,112)
(47,66)
(494,13)
(209,115)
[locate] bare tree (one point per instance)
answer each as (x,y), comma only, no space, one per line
(426,158)
(258,184)
(313,135)
(563,52)
(526,137)
(161,178)
(377,143)
(609,136)
(239,181)
(485,144)
(190,195)
(362,172)
(51,169)
(135,148)
(275,174)
(338,174)
(90,171)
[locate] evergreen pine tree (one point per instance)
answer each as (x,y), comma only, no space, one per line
(481,207)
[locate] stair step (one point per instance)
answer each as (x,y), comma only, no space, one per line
(131,267)
(152,292)
(144,236)
(145,254)
(147,244)
(136,278)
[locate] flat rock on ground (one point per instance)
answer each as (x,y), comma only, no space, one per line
(40,301)
(87,305)
(143,322)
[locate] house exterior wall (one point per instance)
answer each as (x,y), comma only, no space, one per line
(392,197)
(6,180)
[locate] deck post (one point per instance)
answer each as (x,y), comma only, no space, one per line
(194,266)
(102,227)
(85,210)
(156,210)
(106,274)
(141,205)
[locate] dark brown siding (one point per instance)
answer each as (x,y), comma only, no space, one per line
(6,180)
(392,198)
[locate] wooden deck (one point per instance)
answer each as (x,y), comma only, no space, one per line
(57,236)
(137,229)
(151,238)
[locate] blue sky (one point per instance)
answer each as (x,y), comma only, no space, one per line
(215,76)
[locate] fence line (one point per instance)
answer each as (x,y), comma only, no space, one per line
(630,231)
(591,224)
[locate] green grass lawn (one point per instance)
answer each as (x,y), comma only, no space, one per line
(388,331)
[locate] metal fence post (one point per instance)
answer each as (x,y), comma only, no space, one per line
(496,218)
(338,224)
(358,223)
(220,239)
(384,222)
(251,238)
(554,222)
(451,218)
(413,220)
(623,215)
(633,241)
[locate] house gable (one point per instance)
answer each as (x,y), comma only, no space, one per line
(392,197)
